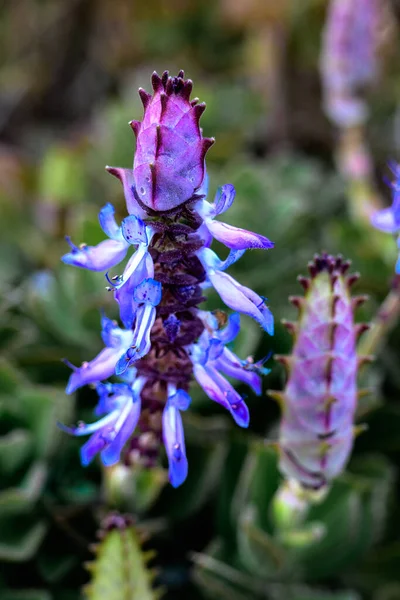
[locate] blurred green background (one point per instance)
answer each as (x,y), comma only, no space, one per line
(69,73)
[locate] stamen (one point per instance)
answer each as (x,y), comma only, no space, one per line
(69,364)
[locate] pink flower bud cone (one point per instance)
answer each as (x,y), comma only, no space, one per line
(319,402)
(169,162)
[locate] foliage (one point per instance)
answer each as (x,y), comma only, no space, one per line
(69,77)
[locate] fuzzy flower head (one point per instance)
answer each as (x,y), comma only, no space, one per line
(349,57)
(166,341)
(319,401)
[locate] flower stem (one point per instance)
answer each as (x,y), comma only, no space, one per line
(385,320)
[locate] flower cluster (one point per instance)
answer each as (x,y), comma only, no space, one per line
(388,219)
(166,340)
(349,58)
(319,401)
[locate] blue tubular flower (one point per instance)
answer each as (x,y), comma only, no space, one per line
(173,435)
(139,267)
(220,390)
(232,237)
(147,295)
(117,342)
(232,366)
(210,356)
(167,341)
(388,219)
(105,255)
(109,434)
(238,297)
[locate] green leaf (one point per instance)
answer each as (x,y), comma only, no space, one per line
(353,514)
(258,482)
(25,595)
(15,448)
(10,377)
(18,499)
(258,551)
(20,538)
(41,408)
(119,571)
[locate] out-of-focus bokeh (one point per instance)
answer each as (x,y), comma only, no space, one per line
(69,73)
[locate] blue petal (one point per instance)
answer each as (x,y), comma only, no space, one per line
(210,260)
(95,444)
(174,442)
(101,367)
(102,257)
(109,224)
(220,390)
(124,293)
(134,230)
(397,269)
(111,453)
(180,399)
(215,349)
(230,364)
(224,198)
(231,330)
(149,291)
(385,220)
(242,299)
(237,238)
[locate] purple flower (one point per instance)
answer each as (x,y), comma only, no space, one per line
(167,341)
(109,435)
(147,296)
(210,357)
(173,435)
(232,237)
(105,255)
(117,342)
(388,219)
(320,398)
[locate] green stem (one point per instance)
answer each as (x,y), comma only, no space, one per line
(386,318)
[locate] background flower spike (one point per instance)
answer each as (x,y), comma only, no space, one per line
(320,397)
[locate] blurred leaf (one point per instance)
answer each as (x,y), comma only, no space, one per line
(20,538)
(13,500)
(15,448)
(10,377)
(53,567)
(25,595)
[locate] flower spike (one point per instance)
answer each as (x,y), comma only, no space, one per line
(167,340)
(319,401)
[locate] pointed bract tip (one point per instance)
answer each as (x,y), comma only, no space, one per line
(304,282)
(290,326)
(359,300)
(145,97)
(297,301)
(351,279)
(361,328)
(135,126)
